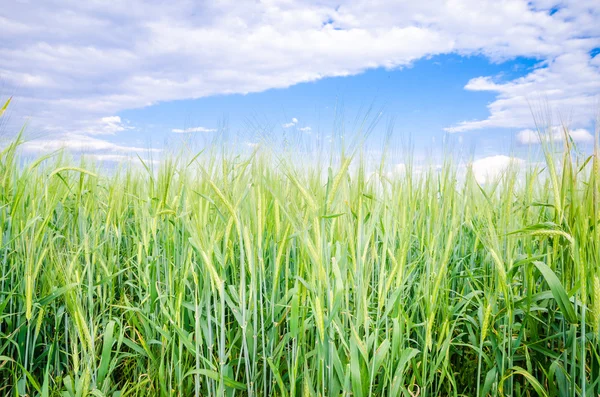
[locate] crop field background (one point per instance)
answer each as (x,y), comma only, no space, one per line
(249,275)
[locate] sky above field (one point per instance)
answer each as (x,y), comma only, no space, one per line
(119,77)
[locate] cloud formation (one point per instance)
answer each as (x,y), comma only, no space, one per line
(193,129)
(94,59)
(489,169)
(557,134)
(79,143)
(568,83)
(291,123)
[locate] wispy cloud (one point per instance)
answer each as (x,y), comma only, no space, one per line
(529,136)
(193,129)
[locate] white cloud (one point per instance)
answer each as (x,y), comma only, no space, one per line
(400,168)
(568,84)
(121,158)
(490,168)
(111,120)
(529,136)
(107,125)
(79,143)
(96,58)
(291,123)
(294,122)
(116,158)
(397,170)
(581,135)
(193,129)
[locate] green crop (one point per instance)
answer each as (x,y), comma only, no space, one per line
(249,275)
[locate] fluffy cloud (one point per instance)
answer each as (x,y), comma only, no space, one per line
(529,136)
(107,125)
(568,83)
(291,123)
(193,129)
(489,169)
(93,58)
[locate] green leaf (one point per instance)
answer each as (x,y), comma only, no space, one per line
(106,351)
(355,370)
(277,375)
(380,355)
(405,357)
(214,375)
(533,381)
(61,169)
(558,292)
(490,377)
(330,216)
(56,293)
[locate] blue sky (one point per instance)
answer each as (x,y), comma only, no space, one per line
(420,101)
(423,98)
(113,79)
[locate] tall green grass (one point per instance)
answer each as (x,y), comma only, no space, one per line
(248,275)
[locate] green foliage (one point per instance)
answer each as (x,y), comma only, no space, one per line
(231,276)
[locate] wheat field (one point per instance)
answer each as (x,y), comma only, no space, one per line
(249,275)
